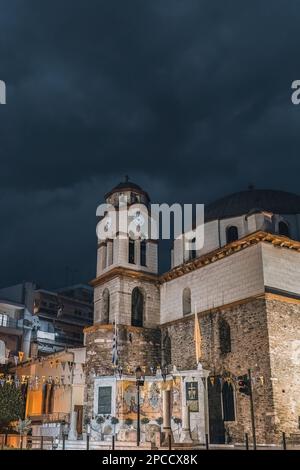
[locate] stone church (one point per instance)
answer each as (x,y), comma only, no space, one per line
(241,289)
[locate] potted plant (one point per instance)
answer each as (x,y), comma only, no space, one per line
(128,422)
(177,421)
(144,422)
(87,424)
(100,420)
(114,421)
(159,421)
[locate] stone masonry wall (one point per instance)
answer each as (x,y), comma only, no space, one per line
(137,347)
(120,289)
(249,349)
(284,337)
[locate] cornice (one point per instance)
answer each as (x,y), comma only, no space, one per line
(266,296)
(125,272)
(111,326)
(230,249)
(208,258)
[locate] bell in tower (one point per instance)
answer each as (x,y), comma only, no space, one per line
(127,259)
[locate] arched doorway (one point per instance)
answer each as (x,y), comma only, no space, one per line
(216,423)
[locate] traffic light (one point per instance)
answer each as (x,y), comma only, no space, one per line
(244,384)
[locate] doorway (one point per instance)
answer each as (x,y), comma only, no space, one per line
(79,410)
(216,422)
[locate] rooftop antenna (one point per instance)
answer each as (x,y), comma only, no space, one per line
(126,178)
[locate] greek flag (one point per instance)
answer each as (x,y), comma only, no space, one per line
(115,352)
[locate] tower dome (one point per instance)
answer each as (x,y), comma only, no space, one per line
(129,188)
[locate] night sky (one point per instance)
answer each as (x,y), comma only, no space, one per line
(190,98)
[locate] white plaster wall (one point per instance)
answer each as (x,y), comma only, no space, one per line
(230,279)
(281,268)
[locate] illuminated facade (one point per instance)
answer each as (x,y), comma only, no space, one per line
(241,288)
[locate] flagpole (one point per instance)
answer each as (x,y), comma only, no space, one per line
(196,334)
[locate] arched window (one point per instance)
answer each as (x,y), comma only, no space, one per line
(283,229)
(186,301)
(131,250)
(224,337)
(192,249)
(105,306)
(232,234)
(143,247)
(137,307)
(228,402)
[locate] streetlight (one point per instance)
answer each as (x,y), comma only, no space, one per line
(164,372)
(64,433)
(140,379)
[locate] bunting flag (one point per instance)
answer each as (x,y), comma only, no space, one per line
(197,337)
(21,355)
(115,353)
(16,359)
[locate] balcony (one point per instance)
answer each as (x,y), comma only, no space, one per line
(10,325)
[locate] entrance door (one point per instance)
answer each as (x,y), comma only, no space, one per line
(216,423)
(79,409)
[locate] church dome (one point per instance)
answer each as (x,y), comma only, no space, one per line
(126,186)
(254,200)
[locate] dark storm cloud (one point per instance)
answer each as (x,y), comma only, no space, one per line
(191,98)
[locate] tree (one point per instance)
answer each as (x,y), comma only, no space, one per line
(23,427)
(12,404)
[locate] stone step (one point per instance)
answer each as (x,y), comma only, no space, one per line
(101,445)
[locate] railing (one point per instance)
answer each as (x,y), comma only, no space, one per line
(15,441)
(50,417)
(7,322)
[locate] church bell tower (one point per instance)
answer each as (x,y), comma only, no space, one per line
(126,288)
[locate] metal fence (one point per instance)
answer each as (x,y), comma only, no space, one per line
(15,441)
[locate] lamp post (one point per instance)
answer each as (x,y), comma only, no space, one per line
(64,434)
(164,372)
(140,379)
